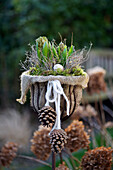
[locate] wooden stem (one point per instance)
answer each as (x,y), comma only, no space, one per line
(69,153)
(53,160)
(61,160)
(92,133)
(34,159)
(103,118)
(73,163)
(102,111)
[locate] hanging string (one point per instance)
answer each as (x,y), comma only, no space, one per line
(57,92)
(57,89)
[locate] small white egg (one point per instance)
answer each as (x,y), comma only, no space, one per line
(57,66)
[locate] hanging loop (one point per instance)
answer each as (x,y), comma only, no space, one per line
(57,89)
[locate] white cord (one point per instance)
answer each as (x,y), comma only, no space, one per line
(58,113)
(57,92)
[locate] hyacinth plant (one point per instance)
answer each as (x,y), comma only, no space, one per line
(48,58)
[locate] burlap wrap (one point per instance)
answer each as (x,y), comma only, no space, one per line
(72,86)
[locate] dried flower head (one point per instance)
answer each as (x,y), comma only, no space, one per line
(62,167)
(96,80)
(90,111)
(84,111)
(47,116)
(41,143)
(109,124)
(99,158)
(58,139)
(77,137)
(8,153)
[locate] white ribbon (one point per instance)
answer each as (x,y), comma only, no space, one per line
(57,92)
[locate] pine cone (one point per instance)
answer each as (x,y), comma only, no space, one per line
(58,139)
(62,167)
(99,158)
(47,116)
(41,143)
(8,153)
(77,137)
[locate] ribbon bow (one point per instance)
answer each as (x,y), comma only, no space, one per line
(57,92)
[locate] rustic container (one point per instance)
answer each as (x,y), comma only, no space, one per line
(72,86)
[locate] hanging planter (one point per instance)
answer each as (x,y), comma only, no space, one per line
(55,79)
(72,87)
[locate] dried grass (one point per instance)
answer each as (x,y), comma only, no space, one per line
(15,127)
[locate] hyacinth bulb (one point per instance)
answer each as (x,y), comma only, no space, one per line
(58,67)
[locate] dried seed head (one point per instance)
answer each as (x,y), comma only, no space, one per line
(96,82)
(77,137)
(8,153)
(47,116)
(58,139)
(83,111)
(90,111)
(109,124)
(99,158)
(62,167)
(41,143)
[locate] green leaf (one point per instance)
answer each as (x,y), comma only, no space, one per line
(70,50)
(39,54)
(55,52)
(49,48)
(37,47)
(58,49)
(64,55)
(45,49)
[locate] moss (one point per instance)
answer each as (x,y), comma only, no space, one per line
(67,72)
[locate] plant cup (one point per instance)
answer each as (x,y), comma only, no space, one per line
(72,86)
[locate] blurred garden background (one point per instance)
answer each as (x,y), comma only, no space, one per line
(21,22)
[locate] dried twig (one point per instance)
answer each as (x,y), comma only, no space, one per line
(61,159)
(73,163)
(53,161)
(69,153)
(34,159)
(68,163)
